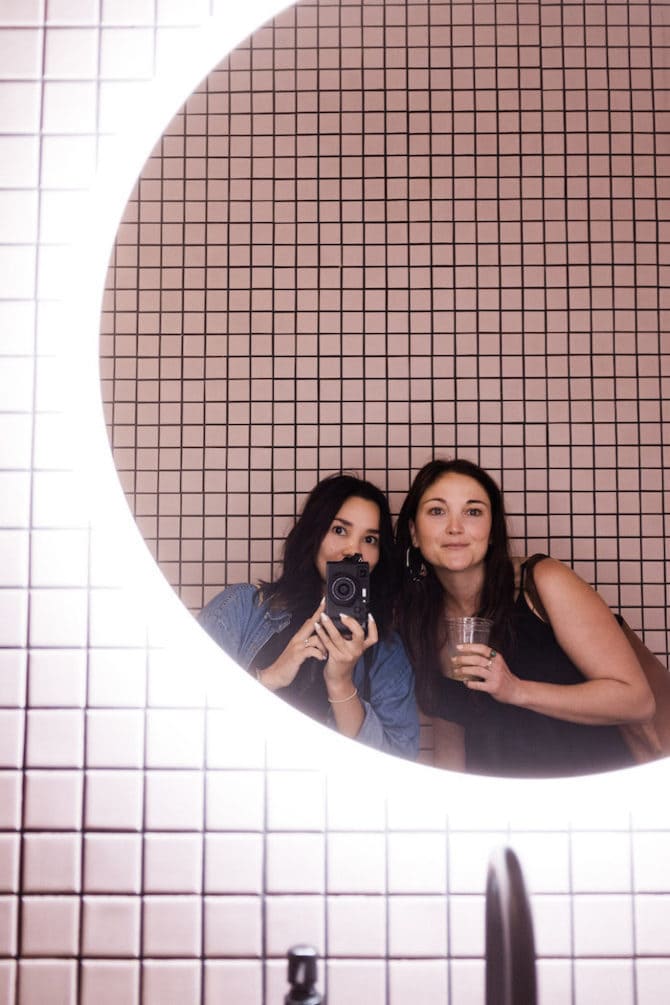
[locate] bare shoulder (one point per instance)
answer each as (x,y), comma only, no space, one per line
(557,585)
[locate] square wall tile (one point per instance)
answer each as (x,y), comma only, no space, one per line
(545,861)
(554,981)
(349,980)
(175,739)
(20,107)
(8,981)
(356,863)
(171,981)
(50,926)
(57,678)
(291,920)
(417,863)
(55,739)
(115,738)
(362,807)
(467,981)
(13,614)
(9,863)
(601,863)
(230,744)
(111,926)
(357,926)
(603,925)
(112,863)
(417,926)
(114,800)
(8,925)
(13,677)
(173,863)
(552,923)
(53,800)
(295,800)
(295,863)
(174,800)
(233,926)
(10,800)
(14,492)
(651,862)
(110,982)
(116,619)
(235,800)
(59,558)
(234,863)
(13,543)
(469,855)
(58,618)
(652,980)
(240,981)
(71,53)
(48,980)
(51,863)
(598,980)
(418,980)
(172,926)
(70,106)
(19,161)
(117,678)
(466,925)
(11,738)
(652,924)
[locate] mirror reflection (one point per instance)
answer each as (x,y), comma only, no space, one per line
(379,233)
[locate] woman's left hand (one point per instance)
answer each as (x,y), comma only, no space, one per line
(490,672)
(343,653)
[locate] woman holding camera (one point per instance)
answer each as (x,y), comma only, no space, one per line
(362,685)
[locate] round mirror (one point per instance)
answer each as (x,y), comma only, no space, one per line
(378,232)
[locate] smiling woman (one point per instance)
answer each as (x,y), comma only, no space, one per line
(356,678)
(546,694)
(377,232)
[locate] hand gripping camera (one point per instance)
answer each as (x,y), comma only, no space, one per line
(348,591)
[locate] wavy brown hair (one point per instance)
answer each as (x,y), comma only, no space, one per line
(299,584)
(420,607)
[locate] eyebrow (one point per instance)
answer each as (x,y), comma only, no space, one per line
(468,502)
(348,523)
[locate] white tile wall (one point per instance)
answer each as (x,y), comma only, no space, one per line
(382,870)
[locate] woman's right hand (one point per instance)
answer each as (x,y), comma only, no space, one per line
(304,644)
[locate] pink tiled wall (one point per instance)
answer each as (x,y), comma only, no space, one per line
(382,231)
(164,836)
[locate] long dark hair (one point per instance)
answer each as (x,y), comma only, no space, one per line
(299,584)
(420,609)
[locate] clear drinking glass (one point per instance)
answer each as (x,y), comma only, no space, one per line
(461,630)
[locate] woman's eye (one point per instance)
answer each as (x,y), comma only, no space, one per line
(338,529)
(474,512)
(435,511)
(371,539)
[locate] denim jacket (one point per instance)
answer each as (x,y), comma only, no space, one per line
(241,625)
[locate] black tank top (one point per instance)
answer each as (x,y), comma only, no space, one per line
(509,741)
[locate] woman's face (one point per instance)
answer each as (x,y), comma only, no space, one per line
(452,528)
(355,529)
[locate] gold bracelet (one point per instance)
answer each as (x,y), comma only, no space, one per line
(337,701)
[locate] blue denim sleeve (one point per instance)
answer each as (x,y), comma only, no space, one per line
(226,616)
(391,721)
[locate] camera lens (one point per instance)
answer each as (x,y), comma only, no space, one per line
(343,589)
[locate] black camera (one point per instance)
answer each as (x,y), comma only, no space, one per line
(348,591)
